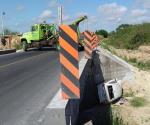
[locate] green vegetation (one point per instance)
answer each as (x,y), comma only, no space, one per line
(129,93)
(138,102)
(132,60)
(122,26)
(130,36)
(102,32)
(105,46)
(117,120)
(143,66)
(139,64)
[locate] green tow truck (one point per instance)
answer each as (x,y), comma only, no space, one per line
(41,35)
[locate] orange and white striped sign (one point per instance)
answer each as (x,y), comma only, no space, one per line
(91,42)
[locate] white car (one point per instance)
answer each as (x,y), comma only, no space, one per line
(110,91)
(113,90)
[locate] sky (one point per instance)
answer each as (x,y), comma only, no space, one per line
(102,14)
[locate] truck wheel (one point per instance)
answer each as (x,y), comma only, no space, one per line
(24,45)
(40,47)
(57,47)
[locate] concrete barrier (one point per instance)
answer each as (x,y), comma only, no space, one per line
(112,67)
(55,111)
(7,51)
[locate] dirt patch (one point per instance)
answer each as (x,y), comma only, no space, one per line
(142,54)
(145,49)
(139,87)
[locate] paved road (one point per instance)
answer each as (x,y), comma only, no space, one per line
(28,81)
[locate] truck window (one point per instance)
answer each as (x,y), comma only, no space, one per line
(43,28)
(33,28)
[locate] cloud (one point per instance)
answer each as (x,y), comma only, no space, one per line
(46,14)
(20,7)
(138,12)
(138,20)
(53,4)
(144,3)
(112,19)
(92,19)
(112,11)
(66,17)
(136,16)
(81,14)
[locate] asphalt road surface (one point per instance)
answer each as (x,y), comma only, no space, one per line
(28,81)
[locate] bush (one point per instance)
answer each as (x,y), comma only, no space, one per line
(122,26)
(130,36)
(102,32)
(137,40)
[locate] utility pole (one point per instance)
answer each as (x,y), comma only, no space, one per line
(60,21)
(2,15)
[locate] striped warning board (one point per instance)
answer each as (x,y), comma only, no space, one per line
(95,41)
(69,59)
(91,42)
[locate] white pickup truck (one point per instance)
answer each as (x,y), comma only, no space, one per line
(110,91)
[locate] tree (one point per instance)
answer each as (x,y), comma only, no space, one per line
(122,26)
(102,32)
(9,32)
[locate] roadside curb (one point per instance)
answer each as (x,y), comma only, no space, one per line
(18,51)
(7,51)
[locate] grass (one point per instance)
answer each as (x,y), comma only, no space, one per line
(132,60)
(129,93)
(143,66)
(109,48)
(138,102)
(105,46)
(118,120)
(139,64)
